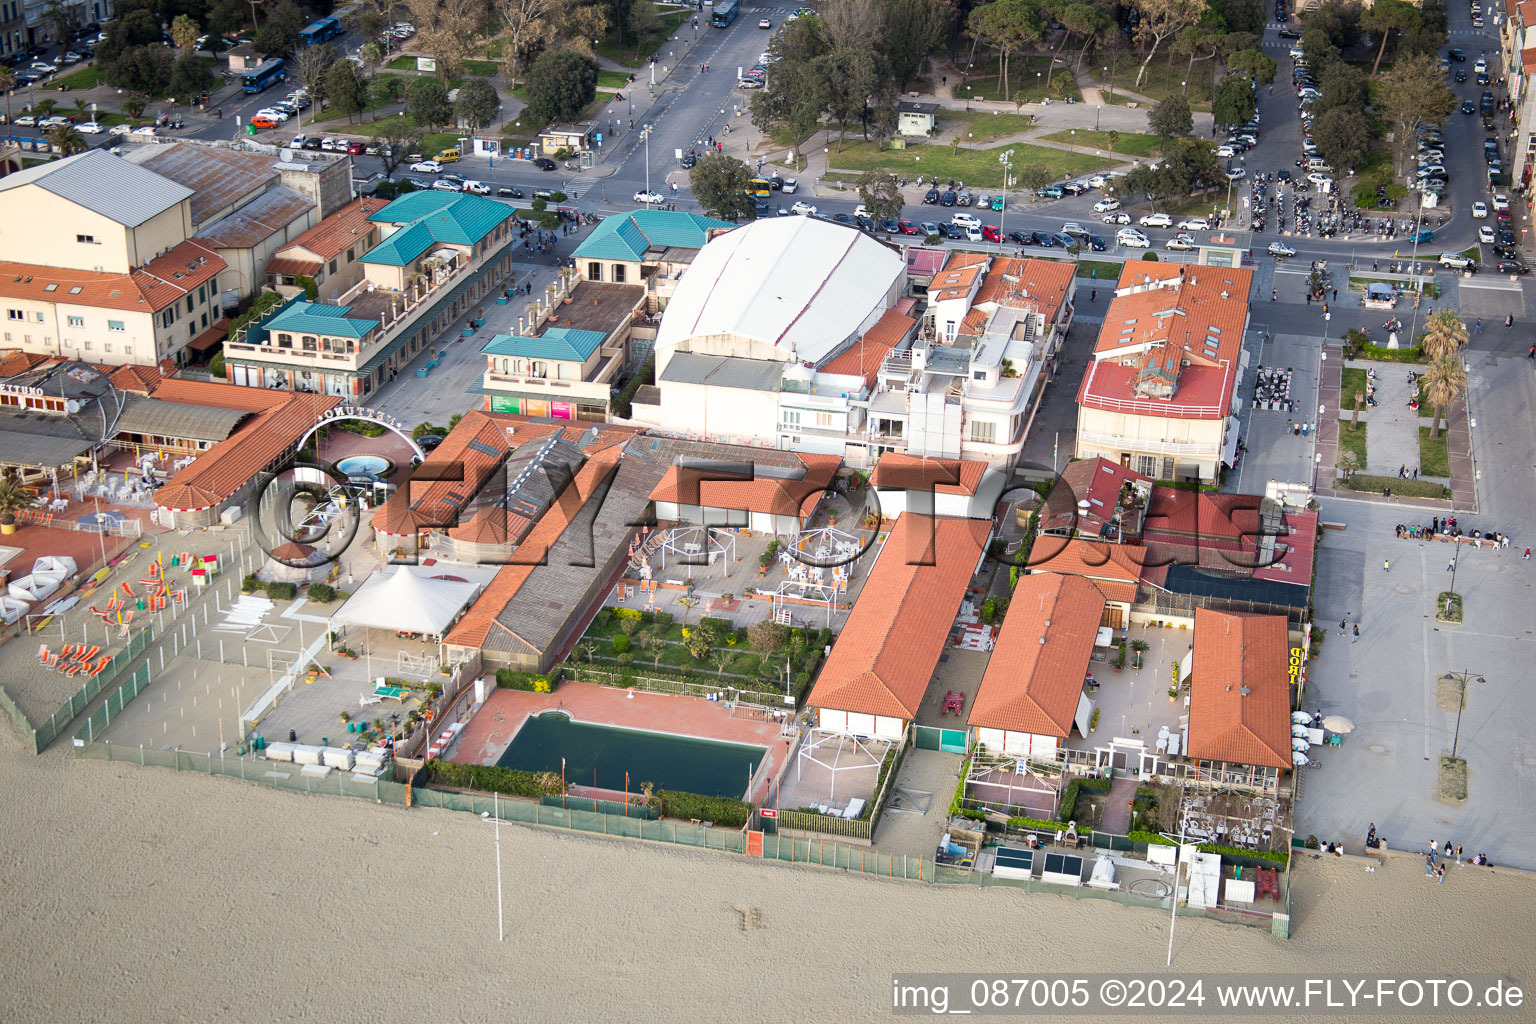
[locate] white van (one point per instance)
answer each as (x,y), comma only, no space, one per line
(1316,163)
(967,220)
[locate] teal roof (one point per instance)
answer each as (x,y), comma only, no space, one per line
(628,237)
(314,318)
(433,218)
(566,343)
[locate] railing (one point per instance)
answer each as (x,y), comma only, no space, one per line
(1188,448)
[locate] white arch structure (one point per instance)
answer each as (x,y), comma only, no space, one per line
(361,412)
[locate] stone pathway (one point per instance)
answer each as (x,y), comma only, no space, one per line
(1392,438)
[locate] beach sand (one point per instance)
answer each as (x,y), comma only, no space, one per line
(139,894)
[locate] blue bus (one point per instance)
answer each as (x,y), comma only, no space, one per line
(268,74)
(319,32)
(725,12)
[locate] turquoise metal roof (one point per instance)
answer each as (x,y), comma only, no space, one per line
(314,318)
(455,217)
(627,237)
(566,343)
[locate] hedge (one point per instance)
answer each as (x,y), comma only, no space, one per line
(490,778)
(322,593)
(507,679)
(282,591)
(622,406)
(1277,856)
(1155,838)
(722,810)
(1068,806)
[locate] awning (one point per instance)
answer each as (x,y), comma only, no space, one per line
(288,266)
(1084,717)
(1229,447)
(213,336)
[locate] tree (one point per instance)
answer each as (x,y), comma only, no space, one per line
(851,73)
(588,648)
(373,55)
(719,183)
(1087,21)
(1413,92)
(1341,85)
(311,66)
(7,86)
(881,195)
(1252,62)
(448,29)
(559,85)
(913,30)
(1343,137)
(133,106)
(67,140)
(642,20)
(190,78)
(1171,119)
(687,603)
(145,69)
(278,36)
(1007,26)
(581,26)
(721,656)
(1111,139)
(1444,381)
(526,23)
(1200,41)
(12,500)
(224,19)
(184,33)
(397,139)
(1162,20)
(63,20)
(1354,418)
(766,636)
(427,100)
(346,88)
(1234,102)
(1387,17)
(476,104)
(1032,176)
(657,646)
(1445,333)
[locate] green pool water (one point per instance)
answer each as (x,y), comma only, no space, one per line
(679,763)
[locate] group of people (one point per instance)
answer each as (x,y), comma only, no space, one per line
(1434,861)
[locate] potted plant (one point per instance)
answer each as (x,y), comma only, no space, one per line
(12,500)
(1140,647)
(1119,660)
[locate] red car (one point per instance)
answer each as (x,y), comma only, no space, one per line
(357,148)
(991,232)
(908,228)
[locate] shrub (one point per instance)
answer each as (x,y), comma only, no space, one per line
(625,659)
(722,810)
(508,679)
(216,366)
(621,644)
(802,680)
(282,591)
(311,289)
(622,407)
(647,617)
(663,619)
(490,778)
(766,637)
(722,627)
(322,593)
(633,614)
(988,611)
(250,584)
(603,619)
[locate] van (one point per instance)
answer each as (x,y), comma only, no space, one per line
(1486,103)
(448,156)
(1316,163)
(967,220)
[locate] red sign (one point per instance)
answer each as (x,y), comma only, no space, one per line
(768,812)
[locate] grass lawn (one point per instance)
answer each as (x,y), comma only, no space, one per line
(982,126)
(402,63)
(1166,76)
(430,143)
(480,68)
(85,78)
(1106,271)
(1398,485)
(1128,145)
(1350,381)
(1434,459)
(978,168)
(612,81)
(631,53)
(1026,82)
(1352,441)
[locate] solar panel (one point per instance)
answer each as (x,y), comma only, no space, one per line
(483,448)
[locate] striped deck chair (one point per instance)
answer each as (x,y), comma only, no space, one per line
(101,664)
(126,589)
(67,651)
(42,654)
(126,617)
(88,655)
(72,669)
(122,631)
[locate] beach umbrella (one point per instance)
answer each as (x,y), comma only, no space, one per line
(1299,758)
(1338,723)
(1298,731)
(1300,745)
(1300,718)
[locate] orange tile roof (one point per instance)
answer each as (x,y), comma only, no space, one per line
(1097,481)
(1528,59)
(882,660)
(148,289)
(1093,559)
(220,396)
(1235,651)
(1223,531)
(231,464)
(136,377)
(494,525)
(960,274)
(1013,282)
(1035,677)
(780,496)
(897,471)
(329,238)
(1204,392)
(14,363)
(475,627)
(292,267)
(864,358)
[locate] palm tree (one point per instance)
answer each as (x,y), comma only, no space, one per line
(133,106)
(1445,332)
(66,138)
(7,86)
(688,603)
(1444,382)
(12,500)
(44,108)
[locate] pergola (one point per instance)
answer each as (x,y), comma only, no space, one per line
(688,544)
(839,752)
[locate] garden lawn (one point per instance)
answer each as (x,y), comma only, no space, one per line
(1107,272)
(1434,458)
(85,78)
(978,168)
(612,81)
(1350,381)
(1399,486)
(1127,145)
(632,53)
(1352,441)
(1166,75)
(983,126)
(1026,82)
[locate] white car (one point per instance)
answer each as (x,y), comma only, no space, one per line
(148,129)
(1485,235)
(1132,239)
(1480,210)
(1319,179)
(1179,243)
(1158,220)
(89,128)
(1455,260)
(803,208)
(427,167)
(1225,151)
(1236,173)
(477,187)
(650,198)
(330,143)
(1195,224)
(1500,201)
(120,129)
(860,211)
(1280,249)
(26,121)
(444,185)
(966,220)
(277,115)
(1478,68)
(1117,218)
(56,121)
(789,186)
(1106,205)
(43,68)
(764,23)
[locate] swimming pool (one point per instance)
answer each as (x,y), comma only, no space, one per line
(363,465)
(681,763)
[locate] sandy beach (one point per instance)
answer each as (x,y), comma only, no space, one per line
(139,894)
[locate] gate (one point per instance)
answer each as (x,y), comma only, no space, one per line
(950,741)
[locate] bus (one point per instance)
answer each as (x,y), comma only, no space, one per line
(269,73)
(725,12)
(762,188)
(319,32)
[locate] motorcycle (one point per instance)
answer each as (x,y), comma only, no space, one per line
(1394,324)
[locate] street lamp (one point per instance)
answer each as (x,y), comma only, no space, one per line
(1072,142)
(1006,159)
(1461,703)
(1111,83)
(645,134)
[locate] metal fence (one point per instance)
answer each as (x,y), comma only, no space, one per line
(41,735)
(277,774)
(123,696)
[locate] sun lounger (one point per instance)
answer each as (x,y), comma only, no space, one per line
(88,655)
(369,699)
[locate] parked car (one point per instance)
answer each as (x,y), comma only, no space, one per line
(1280,249)
(906,227)
(444,185)
(261,122)
(803,208)
(1455,260)
(357,147)
(1119,217)
(948,198)
(479,188)
(427,167)
(89,128)
(1179,243)
(929,229)
(1156,220)
(991,232)
(510,192)
(890,226)
(1195,224)
(1096,243)
(931,197)
(1049,192)
(1132,239)
(1106,205)
(544,163)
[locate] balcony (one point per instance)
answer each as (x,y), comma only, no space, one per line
(1119,442)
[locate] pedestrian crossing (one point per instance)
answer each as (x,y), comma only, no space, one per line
(578,187)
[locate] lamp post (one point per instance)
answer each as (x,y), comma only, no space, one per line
(1006,159)
(1111,83)
(1461,703)
(1072,142)
(645,134)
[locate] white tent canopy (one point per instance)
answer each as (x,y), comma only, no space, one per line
(55,563)
(11,609)
(406,600)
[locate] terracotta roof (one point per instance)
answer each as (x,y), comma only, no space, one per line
(229,465)
(957,278)
(882,660)
(1205,392)
(1035,676)
(1093,559)
(1528,58)
(1233,652)
(476,626)
(473,449)
(293,267)
(14,363)
(1096,481)
(896,471)
(330,238)
(923,261)
(292,552)
(493,525)
(1015,282)
(214,335)
(1222,532)
(866,355)
(780,496)
(147,289)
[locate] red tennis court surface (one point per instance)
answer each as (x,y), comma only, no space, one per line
(486,736)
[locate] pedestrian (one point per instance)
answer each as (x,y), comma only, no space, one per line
(1415,472)
(1273,292)
(1288,425)
(1479,325)
(1335,295)
(1093,295)
(1386,564)
(1450,565)
(1527,555)
(1440,874)
(1531,352)
(1429,867)
(1449,849)
(1458,855)
(1309,298)
(1402,471)
(1434,525)
(1343,625)
(1357,634)
(1509,321)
